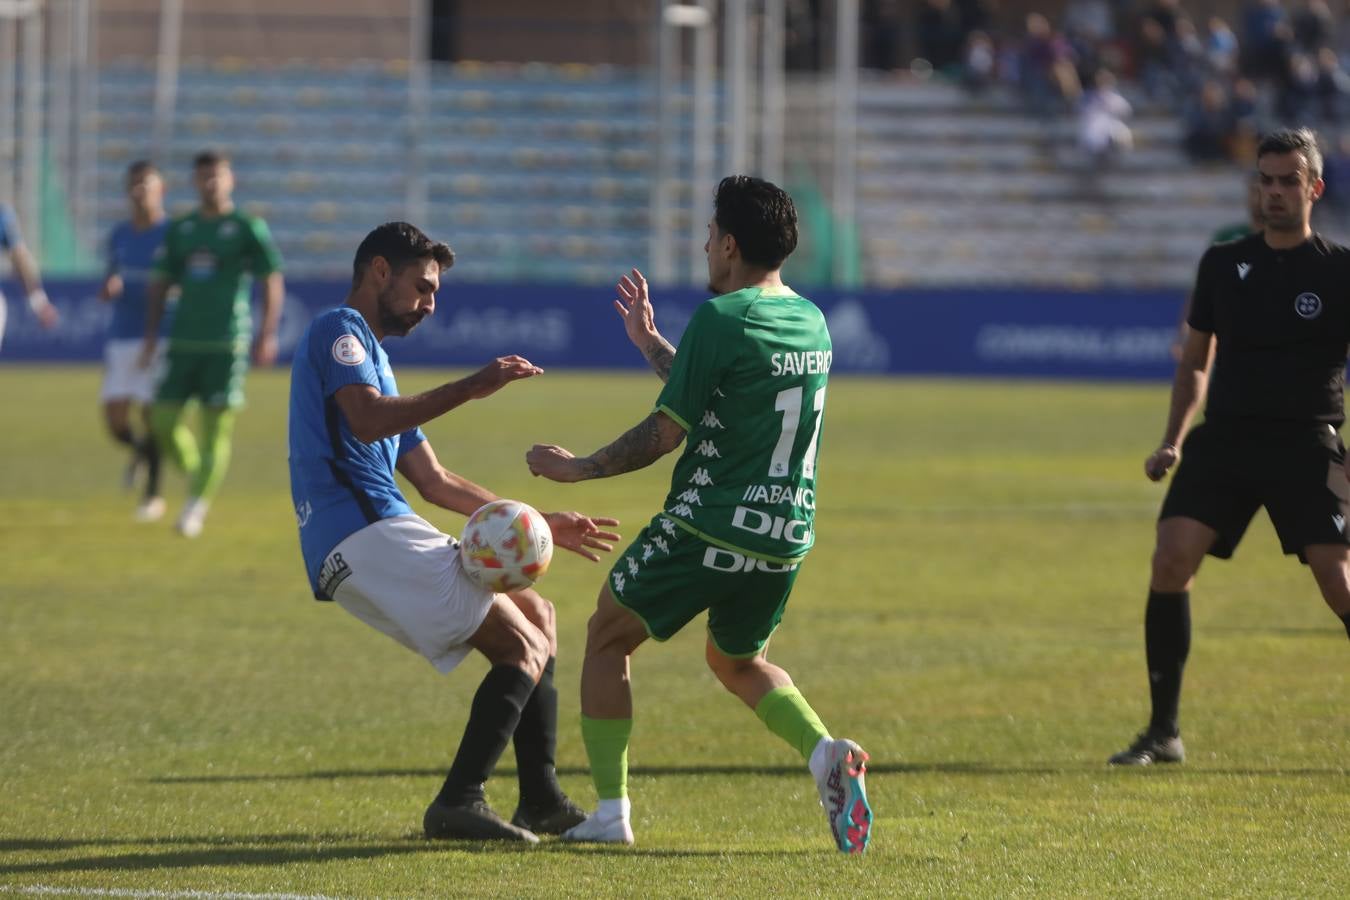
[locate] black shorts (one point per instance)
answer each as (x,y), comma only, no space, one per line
(1296,472)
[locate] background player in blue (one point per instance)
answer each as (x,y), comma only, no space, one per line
(11,241)
(131,249)
(365,549)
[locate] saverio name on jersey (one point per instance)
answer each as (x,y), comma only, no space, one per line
(805,362)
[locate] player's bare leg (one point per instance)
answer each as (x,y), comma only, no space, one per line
(543,808)
(838,765)
(1180,549)
(612,635)
(517,650)
(1330,564)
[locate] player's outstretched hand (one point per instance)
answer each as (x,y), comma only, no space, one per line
(633,304)
(581,534)
(554,463)
(265,350)
(498,374)
(1162,459)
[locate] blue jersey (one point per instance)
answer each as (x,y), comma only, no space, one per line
(130,253)
(9,228)
(338,483)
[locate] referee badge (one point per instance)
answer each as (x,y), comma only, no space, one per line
(1308,305)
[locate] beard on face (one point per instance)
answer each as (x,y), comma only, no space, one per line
(393,323)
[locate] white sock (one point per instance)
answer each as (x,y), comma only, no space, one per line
(619,808)
(819,764)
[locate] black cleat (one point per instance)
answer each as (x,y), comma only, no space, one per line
(554,818)
(472,821)
(1149,748)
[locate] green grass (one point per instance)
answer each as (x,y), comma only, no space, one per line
(180,716)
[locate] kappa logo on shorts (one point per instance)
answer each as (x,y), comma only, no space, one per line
(1339,521)
(1308,305)
(348,350)
(333,572)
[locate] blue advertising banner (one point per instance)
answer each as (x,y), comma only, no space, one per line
(1026,333)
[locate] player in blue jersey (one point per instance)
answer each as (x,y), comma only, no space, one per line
(365,549)
(132,245)
(21,259)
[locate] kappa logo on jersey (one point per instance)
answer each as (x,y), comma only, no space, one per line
(1308,305)
(690,495)
(682,510)
(1339,522)
(708,449)
(303,512)
(1243,269)
(710,420)
(349,351)
(701,477)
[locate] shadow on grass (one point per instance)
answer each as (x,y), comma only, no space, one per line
(955,768)
(242,850)
(239,850)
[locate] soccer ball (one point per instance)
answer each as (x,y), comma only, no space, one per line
(506,546)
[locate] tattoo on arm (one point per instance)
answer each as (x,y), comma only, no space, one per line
(660,355)
(636,448)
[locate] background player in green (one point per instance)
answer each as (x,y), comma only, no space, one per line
(212,254)
(747,386)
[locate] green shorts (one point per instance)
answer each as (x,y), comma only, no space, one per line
(216,378)
(668,576)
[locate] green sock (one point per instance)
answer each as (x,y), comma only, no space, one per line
(787,714)
(217,434)
(606,743)
(174,438)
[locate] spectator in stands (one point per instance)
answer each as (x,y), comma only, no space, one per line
(1265,32)
(1245,112)
(1297,97)
(981,62)
(1314,26)
(1333,85)
(881,35)
(1048,75)
(1221,47)
(937,25)
(1103,133)
(1209,125)
(1187,57)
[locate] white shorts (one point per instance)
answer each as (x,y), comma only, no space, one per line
(122,378)
(402,577)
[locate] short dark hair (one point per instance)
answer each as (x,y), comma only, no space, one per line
(400,244)
(141,167)
(760,216)
(1294,140)
(210,158)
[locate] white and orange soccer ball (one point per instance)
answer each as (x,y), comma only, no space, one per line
(506,546)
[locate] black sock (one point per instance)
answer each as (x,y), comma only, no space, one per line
(1346,619)
(124,436)
(148,450)
(1167,642)
(492,719)
(536,739)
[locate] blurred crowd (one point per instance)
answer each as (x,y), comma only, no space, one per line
(1276,62)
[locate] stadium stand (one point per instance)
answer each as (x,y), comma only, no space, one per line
(541,172)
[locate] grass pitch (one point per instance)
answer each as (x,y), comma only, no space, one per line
(180,717)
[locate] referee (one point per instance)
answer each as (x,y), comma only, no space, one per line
(1269,333)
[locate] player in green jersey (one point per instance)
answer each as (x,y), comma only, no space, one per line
(745,393)
(212,254)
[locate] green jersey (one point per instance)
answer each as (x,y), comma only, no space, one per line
(213,261)
(748,385)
